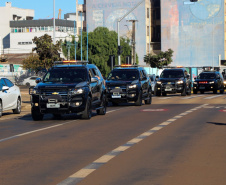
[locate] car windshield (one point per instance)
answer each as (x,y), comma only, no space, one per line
(172,74)
(66,75)
(123,75)
(207,76)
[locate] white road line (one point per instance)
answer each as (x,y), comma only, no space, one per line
(84,172)
(46,128)
(211,97)
(165,98)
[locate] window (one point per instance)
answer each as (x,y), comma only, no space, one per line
(8,82)
(147,30)
(148,13)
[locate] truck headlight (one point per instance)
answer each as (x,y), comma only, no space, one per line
(211,82)
(180,82)
(77,91)
(159,82)
(132,86)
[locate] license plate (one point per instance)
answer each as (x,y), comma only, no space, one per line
(201,87)
(53,105)
(168,89)
(116,96)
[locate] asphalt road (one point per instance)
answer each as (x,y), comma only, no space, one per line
(176,140)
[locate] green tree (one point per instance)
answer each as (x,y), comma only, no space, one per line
(101,44)
(159,60)
(47,53)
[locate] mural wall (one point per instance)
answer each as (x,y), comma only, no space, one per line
(105,13)
(194,30)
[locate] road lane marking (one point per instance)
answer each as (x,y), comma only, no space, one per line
(83,173)
(46,128)
(211,97)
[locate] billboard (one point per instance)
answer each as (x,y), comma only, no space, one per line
(105,13)
(194,31)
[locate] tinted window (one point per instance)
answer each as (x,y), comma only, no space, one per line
(172,74)
(123,75)
(8,82)
(63,75)
(207,76)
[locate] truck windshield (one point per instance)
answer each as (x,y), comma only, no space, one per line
(207,76)
(66,75)
(172,74)
(123,75)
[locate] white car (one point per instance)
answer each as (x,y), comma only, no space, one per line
(30,81)
(10,96)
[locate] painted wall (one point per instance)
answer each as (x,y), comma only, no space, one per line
(195,31)
(105,13)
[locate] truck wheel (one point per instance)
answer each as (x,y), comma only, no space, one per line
(158,93)
(148,101)
(164,93)
(103,110)
(184,92)
(139,100)
(194,91)
(87,113)
(1,109)
(36,114)
(222,91)
(17,110)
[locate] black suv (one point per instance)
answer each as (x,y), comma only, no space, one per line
(175,80)
(71,88)
(128,83)
(209,81)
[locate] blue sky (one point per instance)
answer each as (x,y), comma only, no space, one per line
(44,8)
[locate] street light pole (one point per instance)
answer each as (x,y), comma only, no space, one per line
(54,25)
(68,43)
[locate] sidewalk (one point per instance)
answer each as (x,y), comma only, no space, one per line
(26,105)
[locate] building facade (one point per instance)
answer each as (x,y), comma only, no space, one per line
(7,14)
(105,13)
(195,31)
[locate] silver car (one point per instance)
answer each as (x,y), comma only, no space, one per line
(10,96)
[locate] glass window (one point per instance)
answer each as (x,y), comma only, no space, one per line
(8,82)
(63,75)
(172,74)
(123,75)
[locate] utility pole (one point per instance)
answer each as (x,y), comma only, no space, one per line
(77,32)
(54,23)
(133,41)
(119,20)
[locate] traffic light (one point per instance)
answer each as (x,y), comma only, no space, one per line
(120,50)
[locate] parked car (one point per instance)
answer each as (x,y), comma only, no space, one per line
(30,81)
(224,81)
(76,87)
(209,81)
(10,96)
(171,81)
(153,83)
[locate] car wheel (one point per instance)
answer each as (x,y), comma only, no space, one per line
(202,92)
(164,93)
(194,91)
(1,109)
(148,101)
(189,91)
(36,114)
(184,92)
(222,91)
(214,91)
(139,99)
(17,110)
(28,84)
(103,110)
(87,113)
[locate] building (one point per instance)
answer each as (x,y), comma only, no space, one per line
(22,32)
(7,14)
(105,13)
(195,31)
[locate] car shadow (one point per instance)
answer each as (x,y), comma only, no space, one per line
(214,123)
